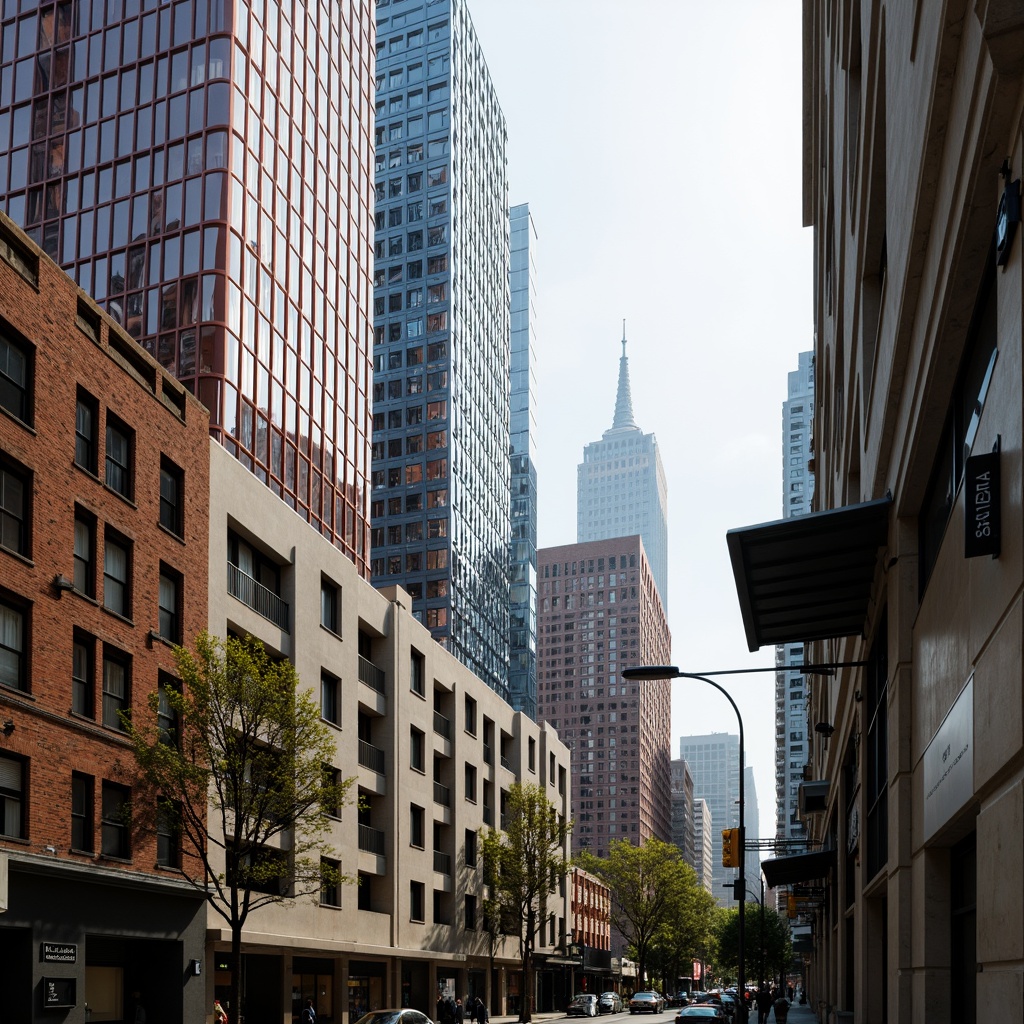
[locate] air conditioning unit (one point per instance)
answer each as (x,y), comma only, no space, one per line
(813,797)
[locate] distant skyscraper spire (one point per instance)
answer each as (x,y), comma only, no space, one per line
(623,400)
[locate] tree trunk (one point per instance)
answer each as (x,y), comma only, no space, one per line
(235,1015)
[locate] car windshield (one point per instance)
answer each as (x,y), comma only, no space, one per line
(380,1017)
(698,1011)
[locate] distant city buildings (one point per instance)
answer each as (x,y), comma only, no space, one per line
(204,172)
(791,744)
(683,811)
(599,612)
(620,485)
(522,676)
(441,500)
(703,844)
(714,762)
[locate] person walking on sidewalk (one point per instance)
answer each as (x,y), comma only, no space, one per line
(781,1007)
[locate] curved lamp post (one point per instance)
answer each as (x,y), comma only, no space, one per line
(650,672)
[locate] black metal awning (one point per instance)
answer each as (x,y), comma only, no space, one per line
(801,867)
(810,577)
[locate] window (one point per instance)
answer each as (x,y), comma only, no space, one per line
(15,493)
(470,716)
(471,782)
(416,826)
(532,747)
(171,497)
(116,684)
(168,847)
(330,606)
(85,569)
(332,791)
(81,812)
(166,715)
(330,888)
(86,416)
(169,601)
(12,804)
(417,673)
(119,457)
(416,901)
(470,912)
(15,363)
(114,821)
(116,575)
(470,848)
(330,698)
(83,688)
(417,746)
(13,628)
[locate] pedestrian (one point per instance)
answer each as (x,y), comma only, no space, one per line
(781,1007)
(308,1013)
(140,1010)
(482,1013)
(764,1004)
(219,1014)
(471,1003)
(460,1014)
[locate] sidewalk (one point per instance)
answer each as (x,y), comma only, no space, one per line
(797,1014)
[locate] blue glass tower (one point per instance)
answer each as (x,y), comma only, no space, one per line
(523,563)
(440,501)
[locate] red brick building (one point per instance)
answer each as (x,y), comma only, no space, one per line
(104,488)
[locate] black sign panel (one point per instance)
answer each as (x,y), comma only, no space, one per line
(59,992)
(59,952)
(981,506)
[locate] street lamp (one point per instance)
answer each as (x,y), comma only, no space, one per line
(650,672)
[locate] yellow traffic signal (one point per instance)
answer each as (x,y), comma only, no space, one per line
(731,852)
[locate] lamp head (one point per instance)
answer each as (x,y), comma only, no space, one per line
(651,672)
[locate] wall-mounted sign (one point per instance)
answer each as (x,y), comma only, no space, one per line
(981,511)
(59,993)
(58,952)
(949,764)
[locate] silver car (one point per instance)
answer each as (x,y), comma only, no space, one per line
(610,1002)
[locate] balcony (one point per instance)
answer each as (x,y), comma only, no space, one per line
(506,763)
(257,597)
(488,754)
(371,675)
(371,757)
(442,726)
(371,840)
(489,816)
(442,795)
(442,863)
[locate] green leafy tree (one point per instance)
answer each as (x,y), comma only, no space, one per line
(647,884)
(688,933)
(233,761)
(523,862)
(778,948)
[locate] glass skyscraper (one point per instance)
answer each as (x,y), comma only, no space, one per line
(441,472)
(621,487)
(202,169)
(523,637)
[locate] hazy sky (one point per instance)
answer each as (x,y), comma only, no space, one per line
(658,143)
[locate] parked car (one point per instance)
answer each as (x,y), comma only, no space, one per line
(610,1002)
(729,1004)
(672,1000)
(582,1005)
(701,1013)
(397,1016)
(646,1002)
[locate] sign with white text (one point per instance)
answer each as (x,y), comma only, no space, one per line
(949,764)
(981,506)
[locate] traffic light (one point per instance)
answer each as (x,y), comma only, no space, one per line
(731,853)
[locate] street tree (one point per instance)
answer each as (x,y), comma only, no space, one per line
(689,933)
(523,862)
(647,884)
(777,949)
(234,763)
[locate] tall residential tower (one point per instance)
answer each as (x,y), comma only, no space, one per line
(441,473)
(203,170)
(620,485)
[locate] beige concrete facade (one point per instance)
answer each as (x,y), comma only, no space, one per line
(910,110)
(434,751)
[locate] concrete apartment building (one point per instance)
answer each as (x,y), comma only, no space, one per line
(600,613)
(682,811)
(913,558)
(434,751)
(703,849)
(103,565)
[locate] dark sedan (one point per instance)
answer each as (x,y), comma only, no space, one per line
(695,1013)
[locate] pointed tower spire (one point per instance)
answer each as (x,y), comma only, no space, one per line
(623,400)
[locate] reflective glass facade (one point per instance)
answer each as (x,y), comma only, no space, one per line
(440,488)
(202,168)
(522,676)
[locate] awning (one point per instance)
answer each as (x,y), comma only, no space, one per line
(810,577)
(800,867)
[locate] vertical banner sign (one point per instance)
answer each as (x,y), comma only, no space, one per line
(981,511)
